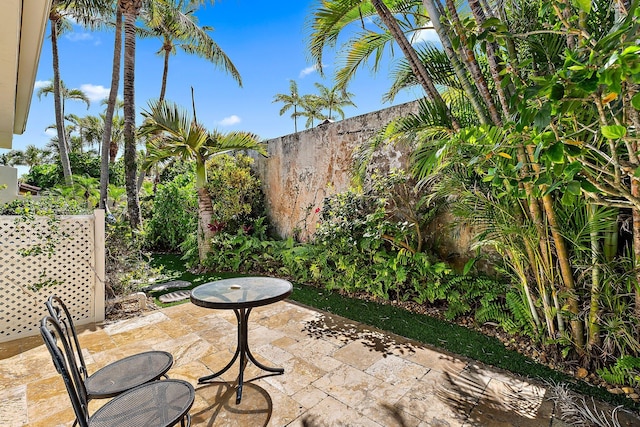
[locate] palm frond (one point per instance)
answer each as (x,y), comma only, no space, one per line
(363,47)
(329,19)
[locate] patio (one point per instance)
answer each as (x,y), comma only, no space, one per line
(337,373)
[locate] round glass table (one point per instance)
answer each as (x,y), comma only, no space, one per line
(241,294)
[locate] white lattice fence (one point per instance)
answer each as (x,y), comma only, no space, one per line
(73,269)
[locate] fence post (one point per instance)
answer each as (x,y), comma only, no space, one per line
(99,250)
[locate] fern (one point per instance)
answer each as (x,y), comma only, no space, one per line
(521,315)
(499,313)
(626,371)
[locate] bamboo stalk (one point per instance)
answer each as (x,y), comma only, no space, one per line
(593,327)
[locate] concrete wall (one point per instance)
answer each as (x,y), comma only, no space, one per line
(8,184)
(305,167)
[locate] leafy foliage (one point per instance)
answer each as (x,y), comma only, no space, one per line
(174,214)
(43,206)
(625,371)
(235,191)
(49,175)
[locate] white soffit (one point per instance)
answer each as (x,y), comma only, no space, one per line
(21,37)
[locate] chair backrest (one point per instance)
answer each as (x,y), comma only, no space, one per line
(59,311)
(65,363)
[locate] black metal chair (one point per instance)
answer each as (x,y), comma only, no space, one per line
(117,377)
(158,403)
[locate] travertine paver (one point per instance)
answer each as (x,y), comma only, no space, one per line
(337,373)
(333,412)
(358,355)
(508,403)
(13,411)
(348,384)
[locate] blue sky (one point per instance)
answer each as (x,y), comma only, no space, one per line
(265,40)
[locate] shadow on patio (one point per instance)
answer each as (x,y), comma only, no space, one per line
(337,373)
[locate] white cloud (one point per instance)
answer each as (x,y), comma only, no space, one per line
(230,121)
(95,92)
(51,132)
(308,70)
(78,37)
(41,83)
(426,35)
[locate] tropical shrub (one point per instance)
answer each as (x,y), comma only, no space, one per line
(43,176)
(174,214)
(49,175)
(235,191)
(371,239)
(247,250)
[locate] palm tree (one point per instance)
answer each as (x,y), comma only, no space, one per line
(131,10)
(292,99)
(31,156)
(61,93)
(173,133)
(59,14)
(177,26)
(65,94)
(312,107)
(334,99)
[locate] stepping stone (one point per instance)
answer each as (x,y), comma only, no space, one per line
(174,296)
(174,284)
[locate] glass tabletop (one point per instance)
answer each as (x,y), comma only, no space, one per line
(241,292)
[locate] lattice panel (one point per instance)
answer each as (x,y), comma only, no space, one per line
(68,270)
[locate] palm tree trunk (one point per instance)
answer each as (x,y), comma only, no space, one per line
(57,100)
(511,46)
(492,57)
(205,212)
(471,63)
(111,106)
(412,57)
(434,14)
(165,70)
(130,11)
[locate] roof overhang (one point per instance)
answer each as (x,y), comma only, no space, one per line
(21,36)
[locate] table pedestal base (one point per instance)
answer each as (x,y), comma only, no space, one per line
(242,351)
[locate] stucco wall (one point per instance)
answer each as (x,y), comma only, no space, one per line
(8,184)
(303,168)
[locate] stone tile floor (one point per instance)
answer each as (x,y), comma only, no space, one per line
(337,373)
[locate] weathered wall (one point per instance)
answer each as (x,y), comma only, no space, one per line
(305,167)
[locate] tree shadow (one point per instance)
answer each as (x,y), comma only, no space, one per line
(255,409)
(346,331)
(395,412)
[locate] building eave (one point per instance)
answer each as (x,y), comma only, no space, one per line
(21,37)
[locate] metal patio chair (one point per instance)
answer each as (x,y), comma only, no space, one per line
(117,377)
(159,403)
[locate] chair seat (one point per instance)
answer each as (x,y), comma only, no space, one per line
(127,373)
(156,404)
